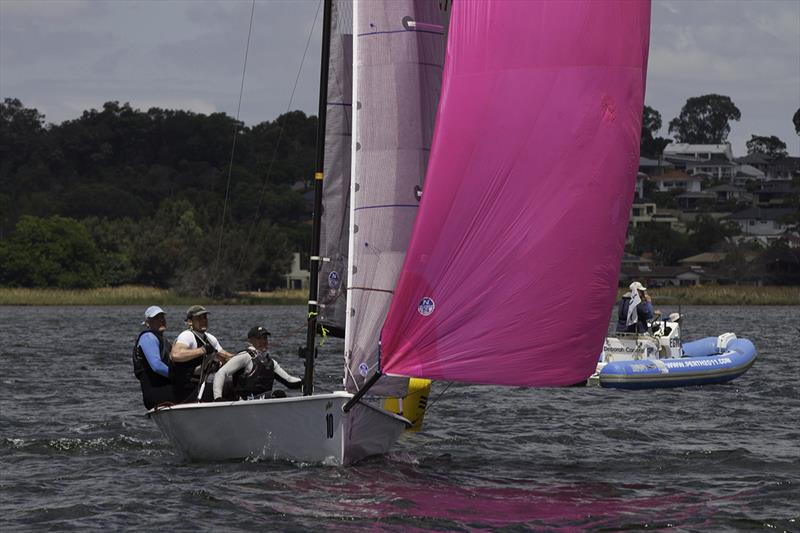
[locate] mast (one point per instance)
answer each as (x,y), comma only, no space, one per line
(310,351)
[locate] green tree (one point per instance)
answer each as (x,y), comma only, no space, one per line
(705,232)
(666,244)
(796,121)
(651,146)
(49,252)
(705,120)
(115,242)
(771,146)
(781,264)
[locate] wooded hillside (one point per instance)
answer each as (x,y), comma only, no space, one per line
(123,196)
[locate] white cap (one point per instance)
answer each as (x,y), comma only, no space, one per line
(152,311)
(636,286)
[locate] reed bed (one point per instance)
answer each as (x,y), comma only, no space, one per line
(725,295)
(139,295)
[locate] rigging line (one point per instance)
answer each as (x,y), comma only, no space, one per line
(428,407)
(243,255)
(233,151)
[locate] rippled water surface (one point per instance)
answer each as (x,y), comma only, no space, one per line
(77,453)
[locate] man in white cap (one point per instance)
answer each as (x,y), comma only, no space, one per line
(193,347)
(151,359)
(635,310)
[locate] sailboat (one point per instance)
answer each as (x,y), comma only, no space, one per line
(516,234)
(357,247)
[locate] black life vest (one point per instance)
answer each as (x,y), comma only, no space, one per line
(184,379)
(141,368)
(256,382)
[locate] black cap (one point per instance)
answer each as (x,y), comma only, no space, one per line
(258,331)
(195,310)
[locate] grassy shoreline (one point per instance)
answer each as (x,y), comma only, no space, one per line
(138,295)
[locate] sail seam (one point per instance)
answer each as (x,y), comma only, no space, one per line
(399,31)
(384,206)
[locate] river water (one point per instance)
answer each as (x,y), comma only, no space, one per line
(76,452)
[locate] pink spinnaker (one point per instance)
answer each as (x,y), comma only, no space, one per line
(513,264)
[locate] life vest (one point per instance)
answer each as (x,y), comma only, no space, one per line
(141,367)
(256,382)
(184,378)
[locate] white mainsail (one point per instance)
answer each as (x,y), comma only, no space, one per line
(398,55)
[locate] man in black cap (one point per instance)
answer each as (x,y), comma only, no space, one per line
(254,371)
(194,347)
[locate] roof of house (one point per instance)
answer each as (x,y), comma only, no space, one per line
(748,170)
(631,258)
(756,158)
(779,187)
(675,175)
(699,195)
(647,162)
(787,163)
(725,188)
(704,258)
(762,213)
(686,148)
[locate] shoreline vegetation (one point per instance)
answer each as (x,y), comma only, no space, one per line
(141,295)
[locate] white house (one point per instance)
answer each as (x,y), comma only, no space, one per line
(297,278)
(762,224)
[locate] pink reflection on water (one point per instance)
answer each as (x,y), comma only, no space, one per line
(559,507)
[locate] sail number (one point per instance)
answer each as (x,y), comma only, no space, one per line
(329,424)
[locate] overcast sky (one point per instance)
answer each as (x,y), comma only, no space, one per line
(63,57)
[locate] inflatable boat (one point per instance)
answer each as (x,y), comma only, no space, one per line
(658,359)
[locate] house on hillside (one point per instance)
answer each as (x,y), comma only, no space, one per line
(709,260)
(696,200)
(761,224)
(715,160)
(777,194)
(677,180)
(730,193)
(781,169)
(654,167)
(664,276)
(297,278)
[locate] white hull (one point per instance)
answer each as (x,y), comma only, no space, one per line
(305,428)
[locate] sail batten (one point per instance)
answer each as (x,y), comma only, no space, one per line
(513,263)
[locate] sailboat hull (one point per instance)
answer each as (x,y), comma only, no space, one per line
(307,428)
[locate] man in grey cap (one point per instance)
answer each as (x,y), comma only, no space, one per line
(193,347)
(151,357)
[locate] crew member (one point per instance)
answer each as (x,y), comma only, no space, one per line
(635,310)
(151,357)
(194,357)
(254,371)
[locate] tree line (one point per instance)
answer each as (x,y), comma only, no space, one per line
(159,197)
(121,196)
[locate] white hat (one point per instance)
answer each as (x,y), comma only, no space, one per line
(636,286)
(152,311)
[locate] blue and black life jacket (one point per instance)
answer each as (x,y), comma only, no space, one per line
(141,368)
